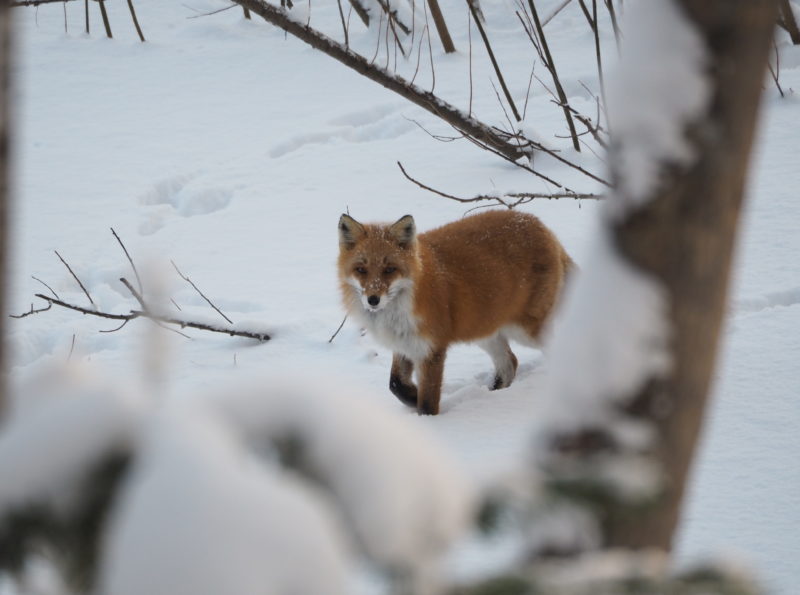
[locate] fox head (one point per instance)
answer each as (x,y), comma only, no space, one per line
(376,262)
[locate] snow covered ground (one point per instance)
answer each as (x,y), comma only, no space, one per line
(232,149)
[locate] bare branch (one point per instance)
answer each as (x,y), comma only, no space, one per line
(34,2)
(114,330)
(344,24)
(197,289)
(776,72)
(81,309)
(496,66)
(207,14)
(130,260)
(139,298)
(556,10)
(562,97)
(521,197)
(150,316)
(104,14)
(333,336)
(71,348)
(425,99)
(361,11)
(136,20)
(74,276)
(46,285)
(31,311)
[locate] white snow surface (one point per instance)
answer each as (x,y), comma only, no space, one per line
(226,146)
(659,88)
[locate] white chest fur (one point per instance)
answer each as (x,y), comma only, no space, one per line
(395,326)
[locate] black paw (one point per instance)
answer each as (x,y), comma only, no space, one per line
(407,393)
(499,383)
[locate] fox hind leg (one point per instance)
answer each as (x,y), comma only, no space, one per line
(505,362)
(400,382)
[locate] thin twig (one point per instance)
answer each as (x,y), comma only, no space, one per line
(551,66)
(197,289)
(172,330)
(613,14)
(496,66)
(469,37)
(333,336)
(430,49)
(206,14)
(31,311)
(46,285)
(556,10)
(74,276)
(138,296)
(104,14)
(130,260)
(114,330)
(344,24)
(71,348)
(174,303)
(528,91)
(776,75)
(136,20)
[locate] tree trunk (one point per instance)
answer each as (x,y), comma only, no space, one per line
(5,67)
(684,237)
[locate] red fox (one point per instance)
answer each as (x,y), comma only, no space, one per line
(483,279)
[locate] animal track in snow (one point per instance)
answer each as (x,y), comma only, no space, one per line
(786,297)
(379,123)
(178,195)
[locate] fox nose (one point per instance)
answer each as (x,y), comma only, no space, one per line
(373,300)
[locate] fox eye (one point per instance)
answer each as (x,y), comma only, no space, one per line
(389,270)
(361,270)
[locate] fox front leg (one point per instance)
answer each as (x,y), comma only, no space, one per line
(400,382)
(430,383)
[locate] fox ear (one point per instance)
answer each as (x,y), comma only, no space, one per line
(350,231)
(404,231)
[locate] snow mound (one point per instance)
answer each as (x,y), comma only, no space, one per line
(202,516)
